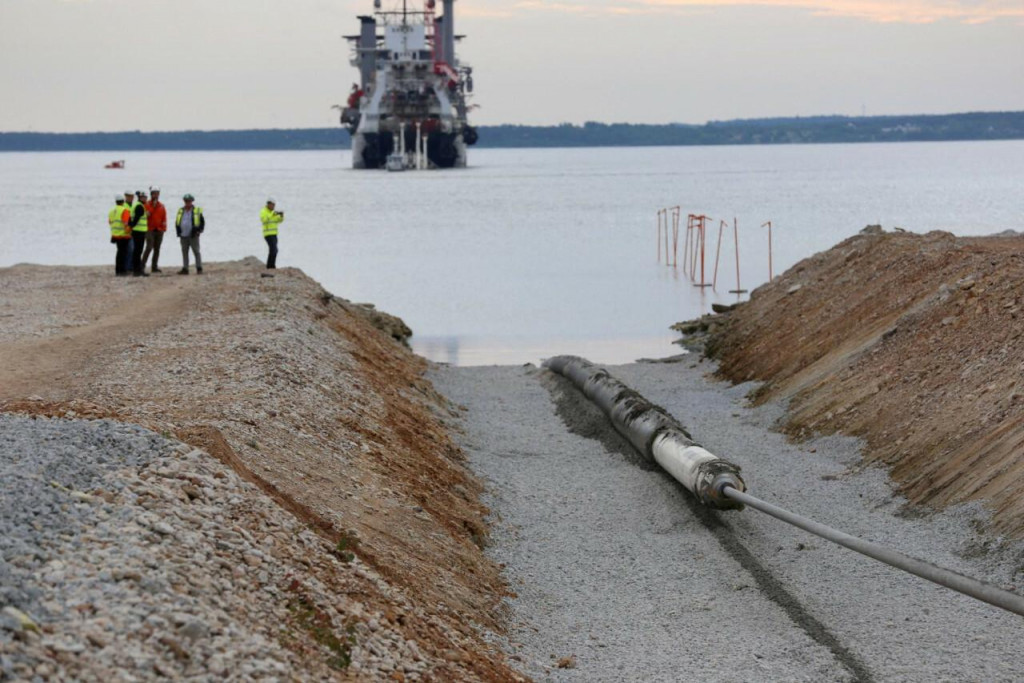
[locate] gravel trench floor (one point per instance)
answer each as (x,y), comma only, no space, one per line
(619,575)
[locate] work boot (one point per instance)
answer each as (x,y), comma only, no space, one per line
(156,270)
(183,271)
(199,271)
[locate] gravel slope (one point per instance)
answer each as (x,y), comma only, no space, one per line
(309,428)
(621,577)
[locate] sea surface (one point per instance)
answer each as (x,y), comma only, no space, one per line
(528,253)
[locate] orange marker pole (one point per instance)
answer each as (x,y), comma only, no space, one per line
(702,243)
(736,239)
(689,235)
(675,236)
(665,211)
(718,252)
(697,223)
(659,236)
(702,222)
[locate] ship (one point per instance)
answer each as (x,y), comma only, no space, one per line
(409,109)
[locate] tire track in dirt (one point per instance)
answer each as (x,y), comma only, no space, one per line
(47,367)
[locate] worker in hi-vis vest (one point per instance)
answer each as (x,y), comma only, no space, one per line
(129,200)
(271,219)
(119,236)
(140,226)
(189,223)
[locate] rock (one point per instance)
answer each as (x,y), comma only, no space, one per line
(71,647)
(10,623)
(872,230)
(175,647)
(96,639)
(21,620)
(194,630)
(391,325)
(690,327)
(192,491)
(567,662)
(83,497)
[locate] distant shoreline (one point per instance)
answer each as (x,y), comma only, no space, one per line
(767,131)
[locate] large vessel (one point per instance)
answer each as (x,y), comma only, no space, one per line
(409,110)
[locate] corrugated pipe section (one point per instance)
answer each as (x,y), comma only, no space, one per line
(654,433)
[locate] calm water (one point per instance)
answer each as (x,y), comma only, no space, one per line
(529,253)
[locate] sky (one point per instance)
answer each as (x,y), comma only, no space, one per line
(113,65)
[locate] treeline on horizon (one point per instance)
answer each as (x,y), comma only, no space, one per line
(768,131)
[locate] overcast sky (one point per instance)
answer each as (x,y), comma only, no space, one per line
(109,65)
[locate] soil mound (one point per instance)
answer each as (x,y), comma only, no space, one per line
(912,342)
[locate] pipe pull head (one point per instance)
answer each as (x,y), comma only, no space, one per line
(713,478)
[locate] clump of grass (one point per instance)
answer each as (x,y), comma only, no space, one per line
(345,549)
(317,624)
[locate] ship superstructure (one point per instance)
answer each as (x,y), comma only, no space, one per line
(409,110)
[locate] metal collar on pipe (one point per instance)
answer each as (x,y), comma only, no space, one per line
(653,432)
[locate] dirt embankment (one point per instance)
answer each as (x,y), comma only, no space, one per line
(302,394)
(913,342)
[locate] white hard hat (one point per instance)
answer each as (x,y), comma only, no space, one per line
(271,201)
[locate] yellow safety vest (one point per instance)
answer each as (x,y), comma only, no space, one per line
(143,224)
(270,221)
(197,219)
(115,218)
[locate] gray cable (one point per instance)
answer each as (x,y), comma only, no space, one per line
(985,592)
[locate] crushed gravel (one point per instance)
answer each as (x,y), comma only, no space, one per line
(619,575)
(125,555)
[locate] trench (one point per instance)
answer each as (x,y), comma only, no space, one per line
(584,419)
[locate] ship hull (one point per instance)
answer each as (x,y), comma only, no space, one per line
(444,150)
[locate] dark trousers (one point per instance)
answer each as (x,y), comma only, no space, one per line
(138,244)
(122,262)
(129,250)
(272,255)
(154,239)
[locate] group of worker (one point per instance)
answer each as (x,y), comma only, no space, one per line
(138,222)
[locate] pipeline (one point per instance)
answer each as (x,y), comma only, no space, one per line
(654,433)
(967,585)
(657,435)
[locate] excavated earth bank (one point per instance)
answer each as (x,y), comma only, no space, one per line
(289,505)
(914,343)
